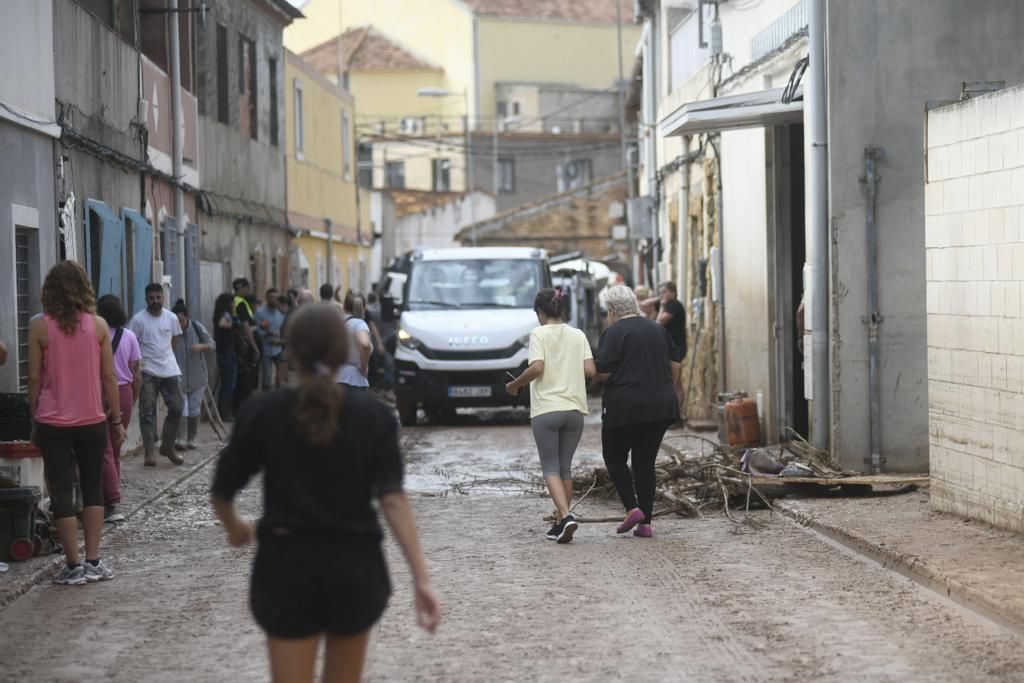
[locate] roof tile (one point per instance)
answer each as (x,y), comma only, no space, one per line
(363,49)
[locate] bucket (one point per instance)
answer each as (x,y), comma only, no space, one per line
(18,539)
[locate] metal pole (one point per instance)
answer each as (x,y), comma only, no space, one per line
(630,181)
(816,153)
(177,142)
(874,318)
(329,229)
(494,154)
(469,170)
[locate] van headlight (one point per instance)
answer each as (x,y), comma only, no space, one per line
(524,341)
(407,340)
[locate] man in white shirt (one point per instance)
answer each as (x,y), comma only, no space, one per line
(158,331)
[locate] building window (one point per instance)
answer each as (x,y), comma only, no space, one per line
(346,147)
(365,165)
(222,74)
(24,277)
(411,125)
(506,176)
(272,65)
(249,121)
(502,109)
(300,123)
(573,174)
(395,174)
(441,175)
(515,108)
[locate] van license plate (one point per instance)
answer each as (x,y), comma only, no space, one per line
(469,392)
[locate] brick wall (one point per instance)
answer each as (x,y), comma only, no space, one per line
(974,196)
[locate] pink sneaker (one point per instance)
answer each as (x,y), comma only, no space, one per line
(643,531)
(634,517)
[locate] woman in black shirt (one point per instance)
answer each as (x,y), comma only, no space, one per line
(319,571)
(639,403)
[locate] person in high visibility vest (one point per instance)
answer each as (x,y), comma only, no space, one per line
(249,359)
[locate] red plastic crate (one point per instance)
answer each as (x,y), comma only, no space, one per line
(19,449)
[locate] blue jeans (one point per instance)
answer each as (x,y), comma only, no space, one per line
(227,366)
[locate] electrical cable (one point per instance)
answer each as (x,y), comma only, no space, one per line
(789,92)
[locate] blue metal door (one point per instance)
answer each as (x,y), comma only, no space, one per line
(142,259)
(105,248)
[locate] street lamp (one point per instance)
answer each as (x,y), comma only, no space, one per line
(441,92)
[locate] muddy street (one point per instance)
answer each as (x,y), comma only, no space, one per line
(702,600)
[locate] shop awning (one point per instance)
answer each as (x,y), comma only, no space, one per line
(762,108)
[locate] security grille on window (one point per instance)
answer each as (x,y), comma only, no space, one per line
(573,174)
(441,172)
(395,174)
(23,279)
(506,175)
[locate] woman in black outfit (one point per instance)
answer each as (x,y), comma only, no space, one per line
(319,572)
(639,403)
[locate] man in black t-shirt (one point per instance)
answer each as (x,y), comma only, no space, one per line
(672,315)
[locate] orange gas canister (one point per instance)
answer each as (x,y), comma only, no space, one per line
(741,422)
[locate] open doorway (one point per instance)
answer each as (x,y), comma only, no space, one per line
(788,244)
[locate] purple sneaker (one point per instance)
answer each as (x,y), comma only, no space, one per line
(643,531)
(634,517)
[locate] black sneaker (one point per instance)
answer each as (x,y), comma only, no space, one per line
(568,527)
(552,534)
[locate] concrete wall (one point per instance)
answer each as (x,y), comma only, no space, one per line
(26,202)
(922,50)
(97,93)
(974,197)
(27,199)
(245,178)
(436,228)
(554,51)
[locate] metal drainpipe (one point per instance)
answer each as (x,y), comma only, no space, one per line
(816,180)
(874,318)
(177,142)
(721,267)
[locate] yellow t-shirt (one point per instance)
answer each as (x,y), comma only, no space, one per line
(563,385)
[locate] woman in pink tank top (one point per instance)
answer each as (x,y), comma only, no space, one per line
(69,359)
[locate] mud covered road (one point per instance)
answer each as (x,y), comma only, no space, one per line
(700,601)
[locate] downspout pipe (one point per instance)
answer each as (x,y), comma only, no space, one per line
(817,233)
(874,317)
(720,230)
(177,143)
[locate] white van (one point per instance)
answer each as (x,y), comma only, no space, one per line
(465,322)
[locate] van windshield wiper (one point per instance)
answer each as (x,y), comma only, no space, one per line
(446,304)
(489,304)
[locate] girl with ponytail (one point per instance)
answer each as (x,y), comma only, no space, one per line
(560,363)
(319,572)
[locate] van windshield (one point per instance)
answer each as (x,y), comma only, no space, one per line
(476,283)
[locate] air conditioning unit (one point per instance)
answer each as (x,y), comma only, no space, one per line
(410,126)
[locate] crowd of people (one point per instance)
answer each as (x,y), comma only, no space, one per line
(326,449)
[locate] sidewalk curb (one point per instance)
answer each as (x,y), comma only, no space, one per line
(47,568)
(913,568)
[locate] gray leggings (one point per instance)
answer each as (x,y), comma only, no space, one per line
(557,435)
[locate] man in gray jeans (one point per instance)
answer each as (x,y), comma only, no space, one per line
(158,331)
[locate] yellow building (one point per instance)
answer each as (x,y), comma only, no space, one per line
(471,46)
(325,205)
(487,63)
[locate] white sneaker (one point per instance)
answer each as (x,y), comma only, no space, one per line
(97,572)
(70,577)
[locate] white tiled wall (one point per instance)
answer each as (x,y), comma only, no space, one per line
(974,198)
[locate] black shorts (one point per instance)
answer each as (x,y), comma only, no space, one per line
(301,586)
